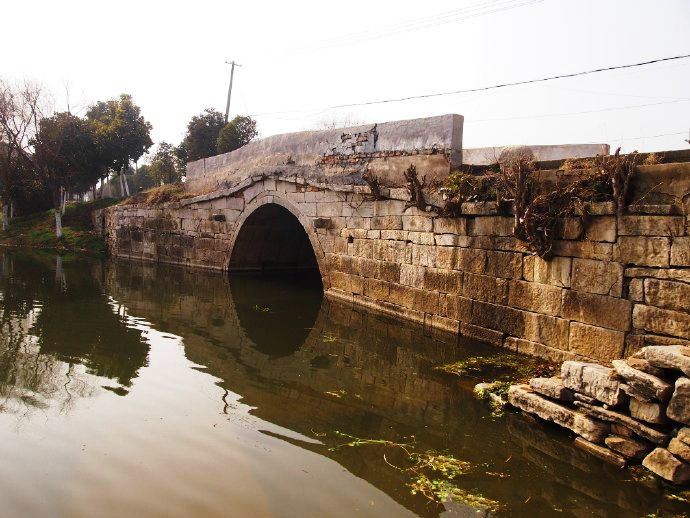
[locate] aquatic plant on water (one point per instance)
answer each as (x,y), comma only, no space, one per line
(432,474)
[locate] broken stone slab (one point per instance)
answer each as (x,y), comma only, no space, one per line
(643,365)
(679,407)
(601,452)
(551,387)
(593,380)
(648,411)
(524,398)
(669,357)
(668,467)
(619,429)
(654,387)
(640,429)
(581,397)
(627,447)
(679,449)
(636,394)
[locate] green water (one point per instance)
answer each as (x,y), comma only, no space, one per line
(131,389)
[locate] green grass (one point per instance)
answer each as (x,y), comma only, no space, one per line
(38,230)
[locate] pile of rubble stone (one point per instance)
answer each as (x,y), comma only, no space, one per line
(632,412)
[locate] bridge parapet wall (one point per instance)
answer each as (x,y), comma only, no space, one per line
(615,283)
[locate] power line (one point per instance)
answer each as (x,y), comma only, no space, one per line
(485,88)
(599,110)
(472,11)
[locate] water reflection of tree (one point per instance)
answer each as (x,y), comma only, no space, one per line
(56,329)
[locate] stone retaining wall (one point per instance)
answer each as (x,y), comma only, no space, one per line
(614,285)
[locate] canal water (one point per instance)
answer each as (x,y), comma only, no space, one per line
(130,389)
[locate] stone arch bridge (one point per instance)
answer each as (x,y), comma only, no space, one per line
(338,202)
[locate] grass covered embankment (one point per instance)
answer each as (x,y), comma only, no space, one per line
(38,230)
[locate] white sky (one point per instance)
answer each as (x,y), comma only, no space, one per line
(170,57)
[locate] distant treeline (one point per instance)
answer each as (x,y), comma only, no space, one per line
(48,156)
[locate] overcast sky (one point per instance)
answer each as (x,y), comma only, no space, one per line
(311,54)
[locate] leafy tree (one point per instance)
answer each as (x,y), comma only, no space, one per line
(63,146)
(164,167)
(202,135)
(142,178)
(236,133)
(122,133)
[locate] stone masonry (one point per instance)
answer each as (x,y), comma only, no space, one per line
(614,285)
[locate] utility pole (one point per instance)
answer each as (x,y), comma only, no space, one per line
(232,73)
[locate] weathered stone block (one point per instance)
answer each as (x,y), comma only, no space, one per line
(643,251)
(636,290)
(596,342)
(533,296)
(421,238)
(479,208)
(593,380)
(522,397)
(491,226)
(469,260)
(664,464)
(386,223)
(584,249)
(598,310)
(556,271)
(418,223)
(667,294)
(456,226)
(522,346)
(651,226)
(485,288)
(602,228)
(551,387)
(674,357)
(662,321)
(680,251)
(504,264)
(375,289)
(601,277)
(603,453)
(627,446)
(648,411)
(679,449)
(449,240)
(482,334)
(456,307)
(411,275)
(424,255)
(444,281)
(569,228)
(679,407)
(642,382)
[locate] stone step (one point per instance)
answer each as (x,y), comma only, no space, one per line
(524,398)
(640,429)
(601,452)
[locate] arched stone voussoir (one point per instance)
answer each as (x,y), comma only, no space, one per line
(277,198)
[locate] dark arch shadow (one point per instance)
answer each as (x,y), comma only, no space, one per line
(272,239)
(275,280)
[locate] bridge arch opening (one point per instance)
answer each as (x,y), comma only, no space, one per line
(272,240)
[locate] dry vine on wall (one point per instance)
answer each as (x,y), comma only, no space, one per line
(538,214)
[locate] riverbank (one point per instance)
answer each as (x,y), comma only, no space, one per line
(38,230)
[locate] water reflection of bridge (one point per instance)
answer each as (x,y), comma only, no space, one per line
(284,350)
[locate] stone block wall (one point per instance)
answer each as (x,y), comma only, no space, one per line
(614,285)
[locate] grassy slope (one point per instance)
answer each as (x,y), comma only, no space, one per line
(38,230)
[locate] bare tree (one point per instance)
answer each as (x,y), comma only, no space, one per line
(22,106)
